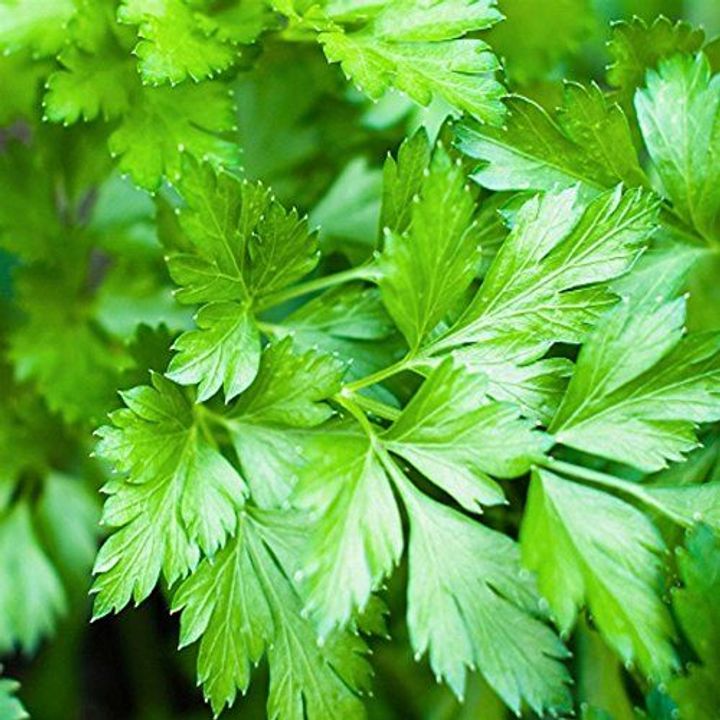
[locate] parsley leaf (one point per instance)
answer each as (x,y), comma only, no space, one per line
(639,387)
(180,497)
(426,270)
(421,50)
(587,546)
(467,607)
(239,245)
(679,115)
(589,142)
(242,606)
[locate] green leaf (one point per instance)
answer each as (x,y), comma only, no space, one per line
(174,42)
(36,25)
(450,433)
(547,284)
(421,50)
(349,321)
(403,180)
(588,547)
(640,388)
(238,245)
(89,85)
(31,594)
(165,123)
(694,604)
(223,351)
(470,606)
(426,271)
(679,115)
(636,47)
(290,388)
(288,393)
(589,142)
(242,606)
(180,496)
(357,534)
(10,707)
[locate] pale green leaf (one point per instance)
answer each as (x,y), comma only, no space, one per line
(223,352)
(427,269)
(420,49)
(589,548)
(470,606)
(242,606)
(588,142)
(357,534)
(679,115)
(180,496)
(457,439)
(640,388)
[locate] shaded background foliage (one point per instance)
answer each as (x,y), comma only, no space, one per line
(308,135)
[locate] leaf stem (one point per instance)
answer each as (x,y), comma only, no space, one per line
(377,408)
(401,365)
(610,481)
(361,272)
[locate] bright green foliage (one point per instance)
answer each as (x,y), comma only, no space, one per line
(440,243)
(504,326)
(696,694)
(640,387)
(420,49)
(253,611)
(487,606)
(679,115)
(238,245)
(457,439)
(10,707)
(358,534)
(589,143)
(286,398)
(348,481)
(548,283)
(180,497)
(589,547)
